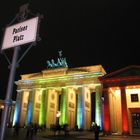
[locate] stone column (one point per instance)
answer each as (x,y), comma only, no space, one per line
(42,113)
(125,126)
(30,107)
(106,112)
(98,114)
(11,114)
(64,107)
(18,108)
(80,108)
(46,106)
(71,107)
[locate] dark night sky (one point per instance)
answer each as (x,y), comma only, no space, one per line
(88,32)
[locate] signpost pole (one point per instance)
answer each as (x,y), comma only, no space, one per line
(8,100)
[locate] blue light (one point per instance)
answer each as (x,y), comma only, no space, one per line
(16,114)
(80,111)
(29,112)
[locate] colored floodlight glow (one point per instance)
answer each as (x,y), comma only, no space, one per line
(51,81)
(55,78)
(63,107)
(42,110)
(16,114)
(79,113)
(29,108)
(29,112)
(125,126)
(98,118)
(106,115)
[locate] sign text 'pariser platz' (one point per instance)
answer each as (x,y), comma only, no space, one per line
(21,33)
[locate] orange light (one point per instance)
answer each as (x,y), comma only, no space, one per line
(2,107)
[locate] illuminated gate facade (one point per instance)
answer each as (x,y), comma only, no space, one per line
(67,90)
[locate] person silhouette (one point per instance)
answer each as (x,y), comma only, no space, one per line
(16,129)
(96,131)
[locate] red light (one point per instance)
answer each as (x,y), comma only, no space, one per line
(106,115)
(124,112)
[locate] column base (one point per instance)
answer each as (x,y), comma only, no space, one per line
(106,133)
(125,133)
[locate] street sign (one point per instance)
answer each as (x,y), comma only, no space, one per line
(21,33)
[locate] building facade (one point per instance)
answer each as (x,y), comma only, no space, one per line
(10,112)
(81,96)
(73,92)
(121,107)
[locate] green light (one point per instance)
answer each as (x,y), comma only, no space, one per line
(64,107)
(56,78)
(80,109)
(42,114)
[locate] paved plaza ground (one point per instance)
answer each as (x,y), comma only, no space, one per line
(73,135)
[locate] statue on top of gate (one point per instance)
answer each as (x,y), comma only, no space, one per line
(61,62)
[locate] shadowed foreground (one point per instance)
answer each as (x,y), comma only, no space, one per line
(73,135)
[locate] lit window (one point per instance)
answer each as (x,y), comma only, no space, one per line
(134,98)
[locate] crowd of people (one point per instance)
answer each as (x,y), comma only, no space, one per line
(31,129)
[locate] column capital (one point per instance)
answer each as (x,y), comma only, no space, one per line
(122,87)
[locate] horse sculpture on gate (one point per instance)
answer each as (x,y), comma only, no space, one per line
(61,62)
